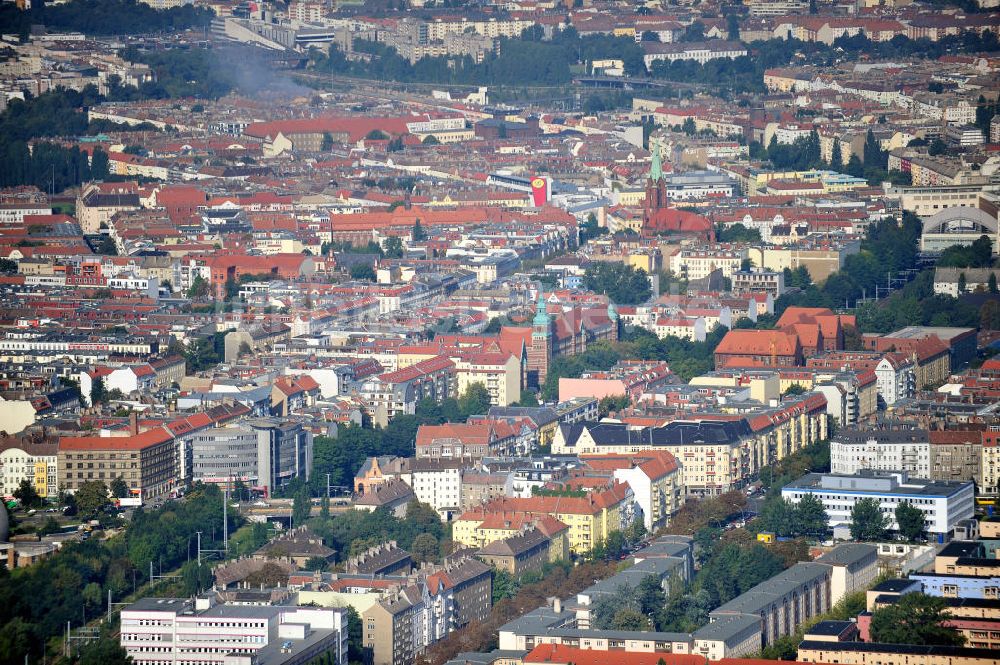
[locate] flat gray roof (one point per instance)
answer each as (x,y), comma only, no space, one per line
(814,482)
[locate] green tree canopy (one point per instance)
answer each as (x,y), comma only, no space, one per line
(363,271)
(425,547)
(475,400)
(911,521)
(119,488)
(91,496)
(867,521)
(394,247)
(914,618)
(27,495)
(622,283)
(301,505)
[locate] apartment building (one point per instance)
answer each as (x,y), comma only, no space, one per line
(265,453)
(694,264)
(886,447)
(715,455)
(146,461)
(654,477)
(590,518)
(35,462)
(500,373)
(867,653)
(758,281)
(398,392)
(402,624)
(438,483)
(527,550)
(927,201)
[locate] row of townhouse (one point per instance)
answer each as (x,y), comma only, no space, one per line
(924,26)
(401,625)
(769,611)
(946,455)
(715,454)
(219,445)
(590,515)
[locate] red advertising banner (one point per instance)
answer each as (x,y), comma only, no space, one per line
(539,191)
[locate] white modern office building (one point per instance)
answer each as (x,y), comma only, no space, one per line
(943,503)
(178,631)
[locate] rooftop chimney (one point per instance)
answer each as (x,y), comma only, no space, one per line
(133,423)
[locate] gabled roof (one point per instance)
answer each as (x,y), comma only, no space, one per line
(759,342)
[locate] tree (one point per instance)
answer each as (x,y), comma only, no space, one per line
(26,494)
(737,232)
(199,288)
(105,651)
(622,283)
(327,144)
(874,156)
(651,595)
(915,618)
(937,147)
(270,575)
(91,497)
(629,619)
(505,585)
(591,228)
(316,563)
(811,516)
(733,27)
(301,506)
(418,232)
(911,520)
(528,398)
(991,283)
(962,284)
(867,521)
(836,155)
(324,508)
(778,517)
(394,247)
(425,547)
(475,400)
(694,32)
(107,246)
(363,271)
(430,139)
(119,488)
(608,608)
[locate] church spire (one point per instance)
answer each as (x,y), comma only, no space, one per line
(541,315)
(656,168)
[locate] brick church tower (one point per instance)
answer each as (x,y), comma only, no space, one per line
(656,191)
(541,344)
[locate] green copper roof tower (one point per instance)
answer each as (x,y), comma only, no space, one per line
(541,316)
(656,168)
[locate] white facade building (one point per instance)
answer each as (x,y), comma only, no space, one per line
(853,450)
(895,378)
(174,631)
(943,503)
(698,264)
(438,483)
(17,464)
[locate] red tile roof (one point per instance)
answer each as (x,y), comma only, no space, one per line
(140,441)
